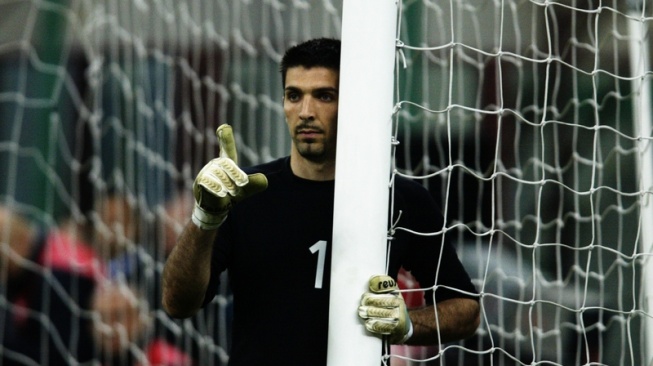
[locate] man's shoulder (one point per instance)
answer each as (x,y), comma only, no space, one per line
(410,192)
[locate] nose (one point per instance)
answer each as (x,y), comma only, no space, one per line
(306,111)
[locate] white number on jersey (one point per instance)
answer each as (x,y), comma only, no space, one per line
(319,247)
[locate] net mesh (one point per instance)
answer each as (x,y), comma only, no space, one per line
(519,116)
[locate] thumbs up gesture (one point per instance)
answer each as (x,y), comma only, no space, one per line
(221,184)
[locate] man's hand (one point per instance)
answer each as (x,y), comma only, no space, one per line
(384,311)
(221,184)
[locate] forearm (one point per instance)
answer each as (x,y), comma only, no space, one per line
(187,271)
(456,319)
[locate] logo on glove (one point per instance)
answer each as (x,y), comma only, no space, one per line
(387,284)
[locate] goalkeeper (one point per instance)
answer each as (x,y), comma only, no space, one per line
(267,225)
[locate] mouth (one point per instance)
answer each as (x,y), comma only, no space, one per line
(308,132)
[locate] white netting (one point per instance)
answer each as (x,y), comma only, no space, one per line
(517,114)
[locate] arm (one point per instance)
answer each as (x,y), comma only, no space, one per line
(456,319)
(218,186)
(187,271)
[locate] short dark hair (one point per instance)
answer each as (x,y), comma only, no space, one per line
(318,52)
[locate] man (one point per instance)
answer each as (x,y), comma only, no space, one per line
(266,228)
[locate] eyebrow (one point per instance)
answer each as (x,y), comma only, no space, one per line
(318,90)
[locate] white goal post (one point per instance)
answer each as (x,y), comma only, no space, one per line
(362,173)
(640,66)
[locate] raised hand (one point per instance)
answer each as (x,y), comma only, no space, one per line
(221,184)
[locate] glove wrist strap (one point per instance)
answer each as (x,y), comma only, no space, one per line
(206,220)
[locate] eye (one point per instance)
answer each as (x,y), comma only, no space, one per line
(327,97)
(292,96)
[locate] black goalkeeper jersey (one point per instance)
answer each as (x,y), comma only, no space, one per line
(270,244)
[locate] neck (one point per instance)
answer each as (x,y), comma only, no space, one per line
(312,170)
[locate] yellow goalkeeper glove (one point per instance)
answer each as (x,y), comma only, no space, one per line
(221,184)
(384,311)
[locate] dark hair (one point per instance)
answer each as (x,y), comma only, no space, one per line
(319,52)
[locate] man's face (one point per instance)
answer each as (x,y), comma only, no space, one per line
(311,106)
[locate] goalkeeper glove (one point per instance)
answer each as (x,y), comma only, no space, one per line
(384,311)
(221,184)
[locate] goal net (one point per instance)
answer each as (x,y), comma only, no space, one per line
(529,120)
(526,119)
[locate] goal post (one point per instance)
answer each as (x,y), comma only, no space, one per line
(362,173)
(640,68)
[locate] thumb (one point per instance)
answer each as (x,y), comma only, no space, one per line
(257,183)
(227,143)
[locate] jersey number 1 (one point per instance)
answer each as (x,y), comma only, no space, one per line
(319,247)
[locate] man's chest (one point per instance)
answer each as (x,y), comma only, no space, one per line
(284,237)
